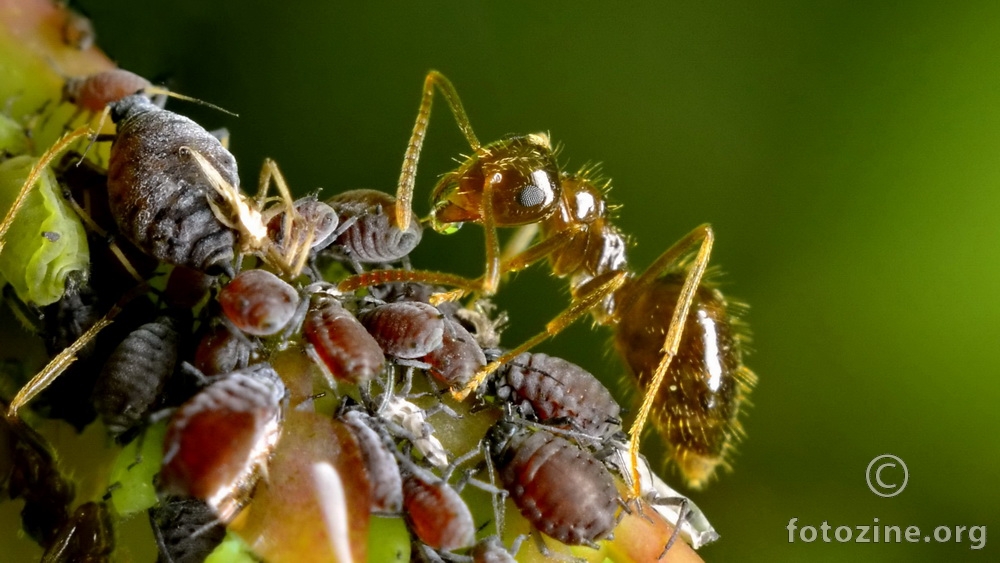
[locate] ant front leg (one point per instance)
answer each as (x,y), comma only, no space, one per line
(404,192)
(702,237)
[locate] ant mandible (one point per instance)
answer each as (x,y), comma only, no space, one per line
(678,334)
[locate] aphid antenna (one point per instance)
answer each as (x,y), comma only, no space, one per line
(156,90)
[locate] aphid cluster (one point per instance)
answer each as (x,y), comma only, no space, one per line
(246,290)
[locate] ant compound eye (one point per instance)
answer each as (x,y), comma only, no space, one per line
(531,196)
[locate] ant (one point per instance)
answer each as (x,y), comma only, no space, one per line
(680,337)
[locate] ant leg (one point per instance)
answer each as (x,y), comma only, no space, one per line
(579,307)
(703,237)
(35,174)
(404,192)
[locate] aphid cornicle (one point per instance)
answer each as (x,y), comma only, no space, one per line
(159,196)
(561,489)
(516,181)
(135,374)
(218,442)
(554,391)
(346,349)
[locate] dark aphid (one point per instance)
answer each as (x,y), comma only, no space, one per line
(373,236)
(383,470)
(95,91)
(34,477)
(436,512)
(314,217)
(405,330)
(221,351)
(458,358)
(554,391)
(346,349)
(217,444)
(133,377)
(186,529)
(561,489)
(88,536)
(159,196)
(697,406)
(259,302)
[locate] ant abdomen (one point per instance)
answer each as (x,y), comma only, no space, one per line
(159,196)
(553,390)
(372,237)
(700,399)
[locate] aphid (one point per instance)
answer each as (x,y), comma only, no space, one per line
(88,536)
(457,359)
(554,391)
(134,376)
(186,529)
(517,182)
(343,345)
(436,512)
(411,421)
(380,464)
(186,287)
(258,302)
(217,444)
(561,489)
(313,217)
(371,234)
(159,196)
(221,351)
(492,550)
(405,330)
(94,92)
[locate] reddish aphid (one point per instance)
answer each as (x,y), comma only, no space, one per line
(217,444)
(405,330)
(346,349)
(221,351)
(95,91)
(436,512)
(561,489)
(383,471)
(259,302)
(554,391)
(457,359)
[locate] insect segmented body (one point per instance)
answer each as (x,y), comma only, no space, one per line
(95,91)
(135,374)
(457,359)
(159,196)
(218,442)
(436,512)
(221,351)
(345,348)
(259,302)
(370,234)
(561,489)
(405,330)
(184,530)
(554,391)
(384,478)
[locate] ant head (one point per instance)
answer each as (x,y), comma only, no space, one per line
(520,171)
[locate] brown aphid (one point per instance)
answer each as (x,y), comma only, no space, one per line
(315,219)
(259,302)
(88,536)
(562,490)
(436,512)
(386,492)
(186,529)
(346,349)
(697,406)
(158,193)
(373,236)
(405,330)
(220,351)
(95,92)
(218,443)
(554,391)
(134,376)
(457,359)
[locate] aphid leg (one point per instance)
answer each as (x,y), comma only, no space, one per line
(404,192)
(35,174)
(682,512)
(580,307)
(702,237)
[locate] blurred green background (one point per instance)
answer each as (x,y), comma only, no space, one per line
(848,156)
